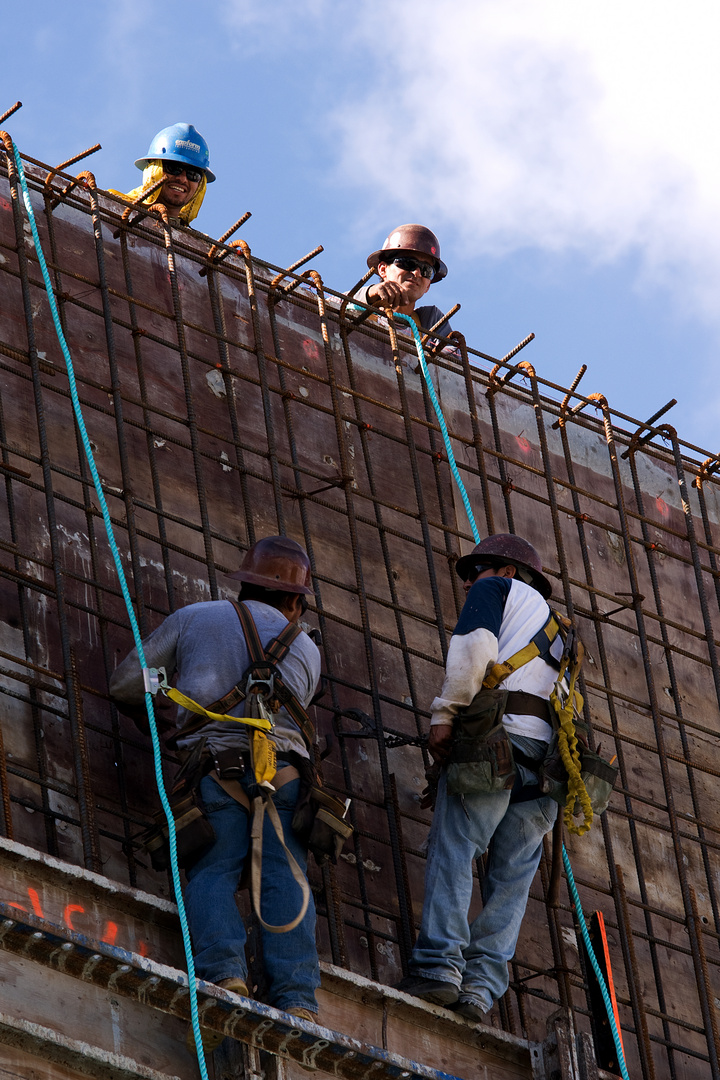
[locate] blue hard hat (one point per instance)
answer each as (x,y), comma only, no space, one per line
(179,142)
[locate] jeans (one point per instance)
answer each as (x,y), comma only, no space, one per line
(475,957)
(216,927)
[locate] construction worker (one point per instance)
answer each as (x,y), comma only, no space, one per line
(205,646)
(179,153)
(407,264)
(488,794)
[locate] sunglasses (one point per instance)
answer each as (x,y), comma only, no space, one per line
(176,168)
(427,270)
(475,571)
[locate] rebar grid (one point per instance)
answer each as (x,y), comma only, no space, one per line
(229,399)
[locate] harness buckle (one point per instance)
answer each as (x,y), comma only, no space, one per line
(264,693)
(154,679)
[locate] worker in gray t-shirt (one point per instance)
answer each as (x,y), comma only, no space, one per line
(407,264)
(204,647)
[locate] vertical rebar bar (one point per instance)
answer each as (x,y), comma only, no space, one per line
(84,795)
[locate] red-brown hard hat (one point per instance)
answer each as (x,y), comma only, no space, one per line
(505,549)
(276,563)
(410,240)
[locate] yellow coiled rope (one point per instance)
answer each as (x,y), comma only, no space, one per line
(568,747)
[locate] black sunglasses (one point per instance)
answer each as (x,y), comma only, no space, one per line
(427,270)
(176,168)
(474,573)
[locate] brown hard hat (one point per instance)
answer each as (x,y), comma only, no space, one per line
(276,563)
(410,240)
(504,549)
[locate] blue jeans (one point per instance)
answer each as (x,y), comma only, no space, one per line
(216,927)
(475,958)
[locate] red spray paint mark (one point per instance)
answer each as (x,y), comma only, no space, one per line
(310,349)
(143,948)
(18,906)
(662,506)
(110,933)
(523,444)
(68,913)
(4,204)
(35,901)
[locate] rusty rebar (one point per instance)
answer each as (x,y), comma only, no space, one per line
(277,484)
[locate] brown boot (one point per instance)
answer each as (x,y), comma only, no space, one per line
(235,986)
(212,1039)
(304,1014)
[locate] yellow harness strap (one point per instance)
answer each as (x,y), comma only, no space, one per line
(192,706)
(263,750)
(498,672)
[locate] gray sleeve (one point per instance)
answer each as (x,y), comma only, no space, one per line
(429,315)
(301,669)
(126,682)
(313,665)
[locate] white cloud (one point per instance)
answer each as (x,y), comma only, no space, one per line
(559,125)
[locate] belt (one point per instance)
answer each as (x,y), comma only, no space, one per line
(236,791)
(522,704)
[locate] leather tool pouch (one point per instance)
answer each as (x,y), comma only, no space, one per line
(230,764)
(194,834)
(329,829)
(319,820)
(599,777)
(481,758)
(597,774)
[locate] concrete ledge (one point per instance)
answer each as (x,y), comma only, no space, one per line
(41,1042)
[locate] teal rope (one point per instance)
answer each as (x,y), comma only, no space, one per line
(131,614)
(441,421)
(471,518)
(595,966)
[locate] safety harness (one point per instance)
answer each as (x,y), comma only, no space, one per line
(262,687)
(565,700)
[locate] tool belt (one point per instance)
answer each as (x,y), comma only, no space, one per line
(481,758)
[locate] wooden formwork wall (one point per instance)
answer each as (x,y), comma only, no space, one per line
(225,402)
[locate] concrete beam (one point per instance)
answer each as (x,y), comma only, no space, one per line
(42,1042)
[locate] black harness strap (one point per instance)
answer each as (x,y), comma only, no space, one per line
(263,665)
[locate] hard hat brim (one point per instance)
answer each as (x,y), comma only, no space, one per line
(388,254)
(540,582)
(143,162)
(269,583)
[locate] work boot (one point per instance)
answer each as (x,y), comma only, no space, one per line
(212,1039)
(435,991)
(472,1009)
(235,986)
(304,1014)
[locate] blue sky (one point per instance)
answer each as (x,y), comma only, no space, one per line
(564,153)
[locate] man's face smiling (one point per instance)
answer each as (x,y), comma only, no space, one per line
(412,283)
(177,191)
